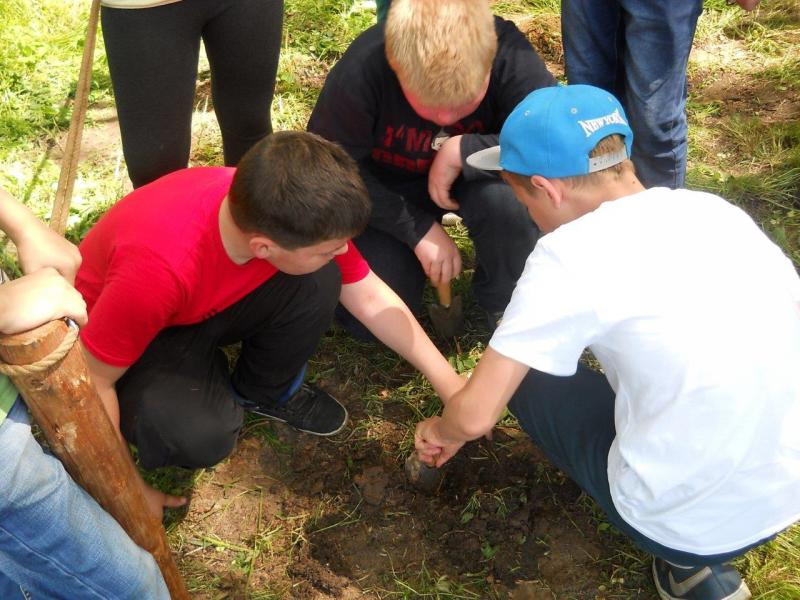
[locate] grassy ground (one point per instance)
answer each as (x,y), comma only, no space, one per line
(271,522)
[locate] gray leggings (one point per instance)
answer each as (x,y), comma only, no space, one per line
(153,56)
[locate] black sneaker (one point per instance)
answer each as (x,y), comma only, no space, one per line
(718,582)
(310,409)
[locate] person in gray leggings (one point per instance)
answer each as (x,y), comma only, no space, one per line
(153,56)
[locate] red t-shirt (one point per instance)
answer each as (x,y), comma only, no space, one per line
(156,260)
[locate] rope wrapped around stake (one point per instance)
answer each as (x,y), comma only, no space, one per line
(43,364)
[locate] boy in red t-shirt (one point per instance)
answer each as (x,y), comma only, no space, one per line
(207,257)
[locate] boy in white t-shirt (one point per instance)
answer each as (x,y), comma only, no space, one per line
(689,440)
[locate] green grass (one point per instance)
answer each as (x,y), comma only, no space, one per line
(734,151)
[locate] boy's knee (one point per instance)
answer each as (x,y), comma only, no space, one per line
(490,201)
(203,445)
(193,436)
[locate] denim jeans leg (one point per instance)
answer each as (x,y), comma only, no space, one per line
(658,39)
(503,234)
(590,29)
(55,540)
(639,51)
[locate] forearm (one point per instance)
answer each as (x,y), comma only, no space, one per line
(104,377)
(15,218)
(464,420)
(108,396)
(156,500)
(373,303)
(476,408)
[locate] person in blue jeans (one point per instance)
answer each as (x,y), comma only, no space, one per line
(638,50)
(55,540)
(688,438)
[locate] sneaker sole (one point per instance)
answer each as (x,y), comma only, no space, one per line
(317,433)
(741,593)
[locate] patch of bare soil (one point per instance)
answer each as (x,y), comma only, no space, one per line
(717,77)
(295,516)
(544,34)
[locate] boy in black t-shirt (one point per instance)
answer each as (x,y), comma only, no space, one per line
(409,101)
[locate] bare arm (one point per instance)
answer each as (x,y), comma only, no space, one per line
(104,377)
(473,411)
(37,246)
(49,262)
(445,169)
(382,311)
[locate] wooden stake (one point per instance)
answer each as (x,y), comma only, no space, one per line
(66,406)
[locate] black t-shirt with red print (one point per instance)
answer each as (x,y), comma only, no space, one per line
(362,107)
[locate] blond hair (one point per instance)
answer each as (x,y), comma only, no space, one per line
(441,50)
(608,145)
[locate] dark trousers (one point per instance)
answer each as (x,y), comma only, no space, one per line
(177,402)
(152,57)
(499,227)
(572,420)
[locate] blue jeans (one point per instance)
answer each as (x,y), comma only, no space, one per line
(572,420)
(382,9)
(638,50)
(55,540)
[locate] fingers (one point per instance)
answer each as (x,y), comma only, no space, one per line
(445,455)
(38,298)
(429,458)
(65,300)
(441,197)
(439,190)
(157,500)
(75,307)
(174,501)
(434,272)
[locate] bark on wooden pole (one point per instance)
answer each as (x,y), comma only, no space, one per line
(69,411)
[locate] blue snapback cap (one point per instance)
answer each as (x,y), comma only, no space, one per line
(553,130)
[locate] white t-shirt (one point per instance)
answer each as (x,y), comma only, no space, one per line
(695,317)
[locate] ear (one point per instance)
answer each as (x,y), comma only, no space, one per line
(261,246)
(554,188)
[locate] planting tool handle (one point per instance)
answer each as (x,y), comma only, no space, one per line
(445,294)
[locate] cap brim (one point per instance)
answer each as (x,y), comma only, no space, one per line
(487,159)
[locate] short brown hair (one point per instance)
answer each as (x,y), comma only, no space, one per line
(608,145)
(441,50)
(299,190)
